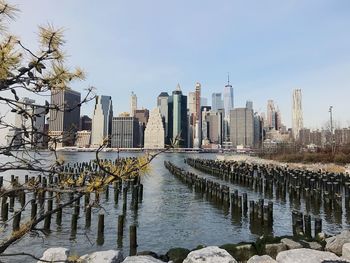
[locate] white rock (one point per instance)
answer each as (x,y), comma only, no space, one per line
(211,254)
(290,244)
(346,251)
(335,243)
(108,256)
(55,254)
(261,259)
(305,255)
(142,259)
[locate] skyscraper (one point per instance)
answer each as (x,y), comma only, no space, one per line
(216,102)
(101,120)
(85,123)
(177,116)
(242,127)
(197,118)
(249,104)
(162,103)
(125,132)
(297,113)
(270,115)
(64,123)
(154,132)
(228,106)
(133,103)
(142,116)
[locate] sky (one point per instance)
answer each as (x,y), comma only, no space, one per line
(268,47)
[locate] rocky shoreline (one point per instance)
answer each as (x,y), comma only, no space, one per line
(285,249)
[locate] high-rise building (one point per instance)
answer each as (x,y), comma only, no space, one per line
(162,103)
(216,102)
(125,132)
(205,111)
(102,121)
(215,123)
(191,103)
(177,116)
(85,123)
(242,127)
(228,106)
(258,129)
(64,123)
(154,132)
(133,103)
(249,105)
(197,118)
(278,119)
(142,116)
(270,115)
(83,139)
(297,113)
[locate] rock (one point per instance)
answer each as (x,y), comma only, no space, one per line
(312,245)
(290,244)
(346,251)
(211,254)
(306,255)
(335,244)
(240,252)
(148,253)
(177,255)
(108,256)
(261,259)
(55,254)
(321,236)
(142,259)
(273,249)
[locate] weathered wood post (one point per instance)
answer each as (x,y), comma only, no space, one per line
(318,226)
(100,229)
(133,240)
(16,221)
(88,217)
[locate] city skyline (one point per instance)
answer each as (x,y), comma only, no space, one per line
(280,47)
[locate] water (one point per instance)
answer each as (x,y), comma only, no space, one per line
(171,215)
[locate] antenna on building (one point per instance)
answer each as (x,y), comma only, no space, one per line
(228,78)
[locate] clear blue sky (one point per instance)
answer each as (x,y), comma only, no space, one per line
(269,47)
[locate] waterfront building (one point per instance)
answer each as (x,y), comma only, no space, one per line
(101,120)
(271,115)
(154,132)
(125,132)
(133,103)
(242,127)
(178,120)
(64,123)
(205,111)
(142,116)
(297,113)
(258,130)
(83,139)
(215,123)
(216,102)
(85,123)
(162,103)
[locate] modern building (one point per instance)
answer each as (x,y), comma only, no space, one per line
(228,106)
(215,126)
(85,123)
(125,132)
(154,132)
(142,116)
(178,120)
(297,113)
(216,102)
(197,118)
(162,104)
(205,112)
(249,104)
(83,139)
(133,103)
(270,115)
(258,130)
(64,122)
(242,127)
(102,121)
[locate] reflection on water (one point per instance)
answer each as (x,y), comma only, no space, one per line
(171,215)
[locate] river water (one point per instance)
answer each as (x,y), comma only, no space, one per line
(171,215)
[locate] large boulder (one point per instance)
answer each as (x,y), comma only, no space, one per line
(306,255)
(273,249)
(240,252)
(261,259)
(211,254)
(335,244)
(142,259)
(177,255)
(55,254)
(346,251)
(291,244)
(108,256)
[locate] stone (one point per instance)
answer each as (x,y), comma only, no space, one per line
(312,245)
(210,254)
(273,249)
(55,254)
(107,256)
(335,244)
(261,259)
(290,244)
(148,253)
(177,255)
(306,255)
(240,252)
(346,251)
(141,259)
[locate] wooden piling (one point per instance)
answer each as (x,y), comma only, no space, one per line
(133,240)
